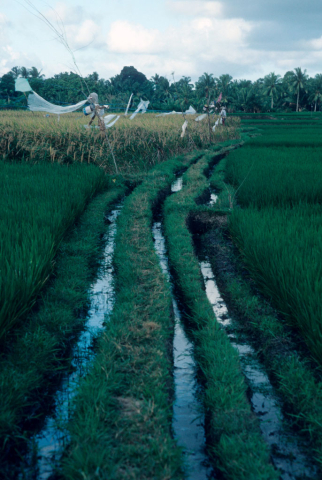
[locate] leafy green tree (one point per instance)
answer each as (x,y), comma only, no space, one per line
(7,85)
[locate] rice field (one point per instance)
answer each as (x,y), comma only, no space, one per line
(277,179)
(138,144)
(58,188)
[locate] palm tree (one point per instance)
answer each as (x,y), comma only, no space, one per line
(316,95)
(272,84)
(24,72)
(35,73)
(224,86)
(298,81)
(15,72)
(206,86)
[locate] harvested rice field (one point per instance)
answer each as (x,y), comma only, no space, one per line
(162,321)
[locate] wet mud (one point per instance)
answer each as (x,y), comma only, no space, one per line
(45,447)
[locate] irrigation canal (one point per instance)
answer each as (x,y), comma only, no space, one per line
(46,446)
(287,451)
(188,419)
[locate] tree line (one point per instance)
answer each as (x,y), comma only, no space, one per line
(295,91)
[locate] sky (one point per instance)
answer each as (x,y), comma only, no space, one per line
(247,39)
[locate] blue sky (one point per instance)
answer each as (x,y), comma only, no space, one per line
(247,39)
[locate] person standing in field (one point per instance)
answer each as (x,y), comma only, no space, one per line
(223,115)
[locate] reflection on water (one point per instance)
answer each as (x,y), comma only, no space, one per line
(188,417)
(286,453)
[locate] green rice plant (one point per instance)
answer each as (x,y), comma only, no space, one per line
(38,204)
(275,175)
(282,249)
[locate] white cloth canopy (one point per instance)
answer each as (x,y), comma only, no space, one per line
(143,105)
(38,104)
(22,85)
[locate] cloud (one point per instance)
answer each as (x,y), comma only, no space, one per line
(315,43)
(12,58)
(126,37)
(195,7)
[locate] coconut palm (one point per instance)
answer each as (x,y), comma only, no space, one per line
(316,95)
(224,83)
(298,80)
(272,84)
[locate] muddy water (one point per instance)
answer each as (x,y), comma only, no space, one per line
(188,417)
(47,445)
(287,450)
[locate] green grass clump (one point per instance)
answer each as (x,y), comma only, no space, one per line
(233,430)
(282,249)
(121,427)
(38,204)
(275,175)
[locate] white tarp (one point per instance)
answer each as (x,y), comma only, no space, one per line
(201,117)
(22,85)
(184,126)
(169,113)
(106,120)
(128,105)
(143,105)
(38,104)
(190,111)
(214,127)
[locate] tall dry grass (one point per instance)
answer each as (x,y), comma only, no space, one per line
(138,144)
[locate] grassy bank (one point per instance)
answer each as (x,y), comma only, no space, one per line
(39,351)
(121,427)
(233,430)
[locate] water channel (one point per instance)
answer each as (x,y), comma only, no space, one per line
(188,417)
(47,445)
(288,451)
